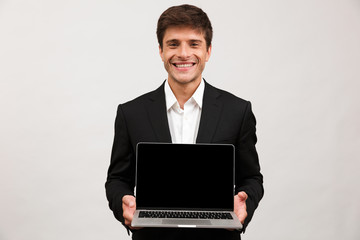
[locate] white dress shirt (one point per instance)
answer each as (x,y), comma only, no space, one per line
(184,123)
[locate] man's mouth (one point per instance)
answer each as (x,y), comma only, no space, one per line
(183,65)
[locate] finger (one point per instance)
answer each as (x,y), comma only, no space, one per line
(242,216)
(126,199)
(242,196)
(240,211)
(127,222)
(129,201)
(128,213)
(128,216)
(129,206)
(240,206)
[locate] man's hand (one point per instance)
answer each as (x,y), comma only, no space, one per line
(129,206)
(240,206)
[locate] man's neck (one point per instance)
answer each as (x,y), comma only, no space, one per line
(183,92)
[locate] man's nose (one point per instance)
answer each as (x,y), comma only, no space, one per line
(184,51)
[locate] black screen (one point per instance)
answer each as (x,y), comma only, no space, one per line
(185,176)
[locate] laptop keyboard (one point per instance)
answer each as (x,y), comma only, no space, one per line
(194,215)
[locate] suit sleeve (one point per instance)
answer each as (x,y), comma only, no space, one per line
(248,176)
(120,179)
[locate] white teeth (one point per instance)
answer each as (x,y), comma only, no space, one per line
(183,65)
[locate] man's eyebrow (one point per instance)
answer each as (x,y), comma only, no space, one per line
(172,41)
(198,41)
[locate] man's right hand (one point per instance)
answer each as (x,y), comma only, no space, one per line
(129,207)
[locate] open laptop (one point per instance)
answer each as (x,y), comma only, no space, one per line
(185,185)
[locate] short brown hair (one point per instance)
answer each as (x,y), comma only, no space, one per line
(184,15)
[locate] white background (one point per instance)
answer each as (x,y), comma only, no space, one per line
(66,65)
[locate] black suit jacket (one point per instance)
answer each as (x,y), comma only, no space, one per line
(225,118)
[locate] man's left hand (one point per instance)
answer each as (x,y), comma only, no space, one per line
(240,206)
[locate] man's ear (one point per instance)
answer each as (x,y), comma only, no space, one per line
(208,54)
(161,53)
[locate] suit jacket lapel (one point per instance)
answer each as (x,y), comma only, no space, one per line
(157,115)
(210,114)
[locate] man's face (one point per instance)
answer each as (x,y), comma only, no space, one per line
(184,54)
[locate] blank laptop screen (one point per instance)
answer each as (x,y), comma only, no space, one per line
(185,176)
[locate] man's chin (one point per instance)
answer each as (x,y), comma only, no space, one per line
(185,81)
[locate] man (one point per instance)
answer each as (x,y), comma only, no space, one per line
(184,109)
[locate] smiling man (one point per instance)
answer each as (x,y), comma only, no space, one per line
(184,52)
(184,109)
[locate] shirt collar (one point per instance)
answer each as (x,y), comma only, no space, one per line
(171,99)
(169,96)
(199,93)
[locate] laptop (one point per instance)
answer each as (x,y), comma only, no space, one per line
(185,185)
